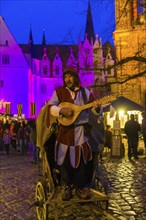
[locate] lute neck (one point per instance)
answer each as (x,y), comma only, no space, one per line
(100,101)
(86,106)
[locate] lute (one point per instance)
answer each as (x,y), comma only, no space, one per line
(78,109)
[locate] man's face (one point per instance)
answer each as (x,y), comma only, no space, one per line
(69,81)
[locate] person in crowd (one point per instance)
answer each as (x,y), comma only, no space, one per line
(27,131)
(16,129)
(24,136)
(108,137)
(7,124)
(33,142)
(13,135)
(132,129)
(143,128)
(1,136)
(7,140)
(21,138)
(72,149)
(96,141)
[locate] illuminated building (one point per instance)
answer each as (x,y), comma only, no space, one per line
(29,73)
(130,41)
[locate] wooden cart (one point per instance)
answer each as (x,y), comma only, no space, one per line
(48,199)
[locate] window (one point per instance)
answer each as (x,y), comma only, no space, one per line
(57,70)
(1,83)
(87,51)
(45,70)
(109,71)
(43,89)
(95,50)
(86,64)
(5,59)
(140,6)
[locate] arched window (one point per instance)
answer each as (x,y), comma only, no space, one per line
(5,59)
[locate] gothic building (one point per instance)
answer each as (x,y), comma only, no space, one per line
(130,41)
(29,73)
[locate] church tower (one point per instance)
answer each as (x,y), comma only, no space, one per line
(130,41)
(90,56)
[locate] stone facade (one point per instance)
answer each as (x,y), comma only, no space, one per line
(130,40)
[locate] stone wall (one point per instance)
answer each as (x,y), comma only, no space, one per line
(130,41)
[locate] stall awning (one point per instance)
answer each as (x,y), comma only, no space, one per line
(124,104)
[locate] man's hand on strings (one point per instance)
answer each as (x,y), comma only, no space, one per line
(96,106)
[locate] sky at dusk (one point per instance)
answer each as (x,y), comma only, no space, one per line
(63,21)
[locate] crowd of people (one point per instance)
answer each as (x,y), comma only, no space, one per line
(19,135)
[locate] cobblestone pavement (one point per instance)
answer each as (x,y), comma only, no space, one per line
(124,182)
(18,177)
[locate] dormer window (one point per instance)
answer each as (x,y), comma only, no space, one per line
(57,70)
(95,50)
(109,71)
(5,59)
(87,51)
(86,64)
(45,70)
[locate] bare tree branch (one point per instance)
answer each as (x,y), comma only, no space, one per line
(119,63)
(120,81)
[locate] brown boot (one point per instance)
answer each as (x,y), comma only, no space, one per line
(66,193)
(83,193)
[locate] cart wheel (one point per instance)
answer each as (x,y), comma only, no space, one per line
(41,201)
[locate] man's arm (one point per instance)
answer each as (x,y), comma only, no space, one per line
(57,111)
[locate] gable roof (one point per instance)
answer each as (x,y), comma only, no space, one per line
(63,50)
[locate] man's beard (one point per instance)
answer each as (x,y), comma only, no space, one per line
(71,87)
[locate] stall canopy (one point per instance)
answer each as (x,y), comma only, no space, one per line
(122,103)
